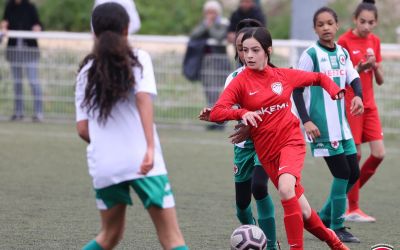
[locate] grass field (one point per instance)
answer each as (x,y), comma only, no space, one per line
(46,199)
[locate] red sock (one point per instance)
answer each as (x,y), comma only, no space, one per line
(315,226)
(353,196)
(368,169)
(293,220)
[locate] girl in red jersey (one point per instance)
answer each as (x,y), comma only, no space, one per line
(263,93)
(365,53)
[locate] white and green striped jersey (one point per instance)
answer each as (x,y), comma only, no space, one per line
(247,143)
(327,114)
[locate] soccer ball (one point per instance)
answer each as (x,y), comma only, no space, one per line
(248,237)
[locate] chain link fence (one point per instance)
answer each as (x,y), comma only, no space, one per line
(179,100)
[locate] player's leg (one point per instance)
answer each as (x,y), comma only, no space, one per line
(111,201)
(156,195)
(374,135)
(265,206)
(293,219)
(341,171)
(353,193)
(243,202)
(243,171)
(374,160)
(166,223)
(314,225)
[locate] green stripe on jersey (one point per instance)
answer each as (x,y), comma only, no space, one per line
(328,115)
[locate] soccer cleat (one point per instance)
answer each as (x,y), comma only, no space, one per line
(358,215)
(346,236)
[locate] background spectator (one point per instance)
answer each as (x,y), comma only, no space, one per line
(215,63)
(246,9)
(23,54)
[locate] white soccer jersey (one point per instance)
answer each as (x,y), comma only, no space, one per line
(117,148)
(327,114)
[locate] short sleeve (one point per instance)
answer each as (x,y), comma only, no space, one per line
(306,62)
(81,82)
(144,77)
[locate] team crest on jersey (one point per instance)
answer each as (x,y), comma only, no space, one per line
(342,59)
(333,60)
(235,169)
(277,88)
(335,144)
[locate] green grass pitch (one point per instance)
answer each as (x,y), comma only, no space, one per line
(47,202)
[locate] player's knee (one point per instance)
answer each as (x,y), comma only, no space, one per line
(259,190)
(286,192)
(380,154)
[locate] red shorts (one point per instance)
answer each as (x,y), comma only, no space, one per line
(366,127)
(290,161)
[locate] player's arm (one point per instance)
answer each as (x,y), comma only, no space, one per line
(144,104)
(83,130)
(352,77)
(222,110)
(299,78)
(82,124)
(378,72)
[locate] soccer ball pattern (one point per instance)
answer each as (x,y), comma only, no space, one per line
(248,237)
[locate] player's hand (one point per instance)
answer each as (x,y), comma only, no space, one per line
(250,118)
(340,95)
(148,162)
(242,133)
(205,114)
(356,106)
(312,130)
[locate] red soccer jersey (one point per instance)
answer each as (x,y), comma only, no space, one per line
(357,48)
(268,93)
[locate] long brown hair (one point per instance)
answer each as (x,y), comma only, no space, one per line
(110,77)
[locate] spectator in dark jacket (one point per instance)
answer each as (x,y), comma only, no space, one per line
(215,64)
(246,9)
(23,54)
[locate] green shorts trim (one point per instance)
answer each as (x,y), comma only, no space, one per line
(324,149)
(245,160)
(152,191)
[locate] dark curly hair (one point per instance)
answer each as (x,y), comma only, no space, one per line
(110,77)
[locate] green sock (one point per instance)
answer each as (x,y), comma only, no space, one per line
(92,245)
(338,202)
(245,216)
(266,220)
(184,247)
(325,212)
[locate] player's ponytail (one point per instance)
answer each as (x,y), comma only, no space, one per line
(368,5)
(110,77)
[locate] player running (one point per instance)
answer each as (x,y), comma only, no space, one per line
(263,93)
(114,114)
(250,177)
(324,119)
